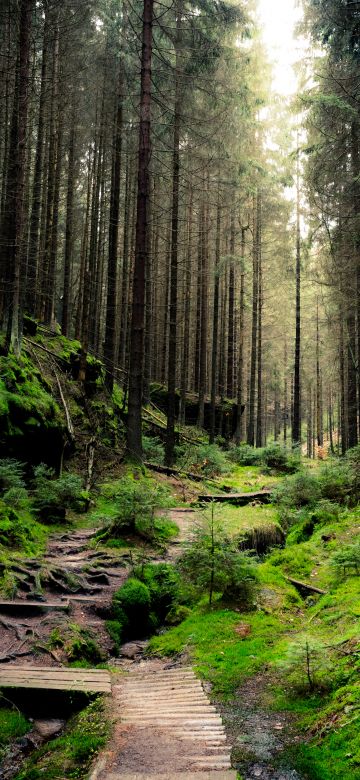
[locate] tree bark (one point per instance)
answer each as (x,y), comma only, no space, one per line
(134,436)
(111,300)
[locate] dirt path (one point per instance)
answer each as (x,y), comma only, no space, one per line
(258,734)
(73,571)
(163,719)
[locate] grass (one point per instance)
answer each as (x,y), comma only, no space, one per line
(247,479)
(234,520)
(12,725)
(220,655)
(71,754)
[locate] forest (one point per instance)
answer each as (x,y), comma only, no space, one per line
(179,390)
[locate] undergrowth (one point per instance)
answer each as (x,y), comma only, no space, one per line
(71,754)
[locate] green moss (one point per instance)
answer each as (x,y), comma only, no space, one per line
(12,725)
(70,755)
(220,655)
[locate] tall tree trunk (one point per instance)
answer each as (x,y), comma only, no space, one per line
(172,350)
(204,316)
(13,218)
(319,420)
(285,392)
(215,333)
(34,239)
(254,326)
(111,300)
(230,353)
(259,420)
(134,437)
(69,231)
(125,268)
(296,427)
(240,378)
(186,336)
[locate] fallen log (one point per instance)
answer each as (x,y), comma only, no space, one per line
(305,586)
(238,499)
(173,472)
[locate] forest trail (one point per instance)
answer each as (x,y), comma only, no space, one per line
(164,722)
(71,572)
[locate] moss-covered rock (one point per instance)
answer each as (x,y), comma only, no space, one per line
(31,428)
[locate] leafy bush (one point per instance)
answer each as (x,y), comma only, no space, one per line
(115,630)
(49,493)
(18,498)
(153,449)
(279,458)
(207,459)
(18,530)
(11,474)
(306,520)
(301,489)
(336,482)
(82,647)
(308,664)
(244,455)
(348,557)
(177,614)
(133,504)
(163,582)
(214,564)
(131,607)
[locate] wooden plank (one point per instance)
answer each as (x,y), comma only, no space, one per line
(239,499)
(24,604)
(55,678)
(306,586)
(90,687)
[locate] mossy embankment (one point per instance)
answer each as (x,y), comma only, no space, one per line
(306,644)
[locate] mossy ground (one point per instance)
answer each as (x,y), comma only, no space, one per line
(328,718)
(70,755)
(13,724)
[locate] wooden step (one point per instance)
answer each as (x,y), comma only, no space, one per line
(238,499)
(23,604)
(55,678)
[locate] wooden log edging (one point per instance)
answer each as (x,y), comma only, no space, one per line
(306,586)
(238,499)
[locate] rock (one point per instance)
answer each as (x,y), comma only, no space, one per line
(243,630)
(131,649)
(48,728)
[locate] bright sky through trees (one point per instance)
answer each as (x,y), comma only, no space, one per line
(278,19)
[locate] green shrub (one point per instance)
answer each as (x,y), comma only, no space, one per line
(300,489)
(348,557)
(305,521)
(153,449)
(11,474)
(308,664)
(163,582)
(133,503)
(206,459)
(213,563)
(336,482)
(133,601)
(244,455)
(18,498)
(280,459)
(81,646)
(65,491)
(177,614)
(18,530)
(115,630)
